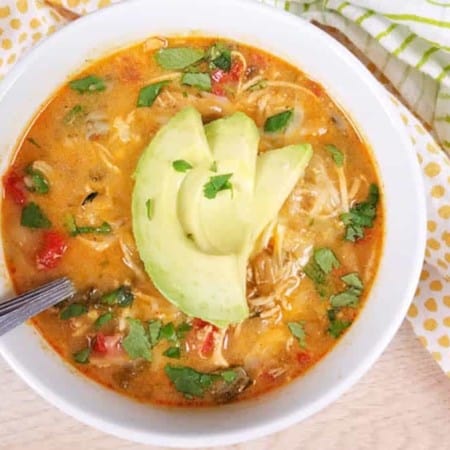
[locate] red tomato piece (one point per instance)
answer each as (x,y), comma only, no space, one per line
(99,343)
(315,88)
(218,90)
(303,358)
(208,344)
(199,323)
(54,245)
(14,187)
(236,70)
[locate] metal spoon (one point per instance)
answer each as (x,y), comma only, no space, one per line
(19,309)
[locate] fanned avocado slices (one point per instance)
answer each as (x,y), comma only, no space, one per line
(211,195)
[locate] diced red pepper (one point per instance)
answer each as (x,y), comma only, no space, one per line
(54,245)
(15,187)
(208,344)
(303,358)
(99,343)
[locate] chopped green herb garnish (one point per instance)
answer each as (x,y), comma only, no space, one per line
(73,310)
(219,57)
(89,198)
(149,206)
(183,329)
(154,331)
(90,83)
(361,216)
(173,352)
(350,297)
(73,114)
(168,332)
(103,320)
(314,272)
(261,84)
(36,181)
(178,58)
(32,216)
(34,142)
(336,154)
(229,375)
(181,165)
(353,280)
(136,344)
(278,122)
(337,326)
(82,357)
(121,296)
(199,80)
(326,259)
(297,330)
(148,94)
(75,230)
(216,184)
(188,381)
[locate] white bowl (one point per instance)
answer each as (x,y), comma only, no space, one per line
(50,64)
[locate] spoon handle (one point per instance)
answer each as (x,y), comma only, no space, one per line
(19,309)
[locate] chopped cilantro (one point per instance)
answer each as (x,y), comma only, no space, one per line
(136,344)
(82,357)
(261,84)
(180,165)
(168,332)
(349,297)
(75,230)
(336,326)
(219,57)
(76,112)
(90,83)
(154,330)
(188,381)
(278,122)
(199,80)
(353,280)
(32,216)
(326,259)
(173,352)
(103,320)
(229,376)
(122,296)
(183,329)
(148,94)
(336,154)
(216,184)
(36,181)
(73,310)
(149,205)
(297,330)
(361,216)
(178,58)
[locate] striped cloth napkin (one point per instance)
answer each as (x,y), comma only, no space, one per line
(406,45)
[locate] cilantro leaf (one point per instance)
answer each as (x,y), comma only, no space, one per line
(121,296)
(297,330)
(73,310)
(336,326)
(154,330)
(178,58)
(73,114)
(350,297)
(353,280)
(82,357)
(103,320)
(75,230)
(181,165)
(136,343)
(188,381)
(168,332)
(90,83)
(216,184)
(326,259)
(219,57)
(32,216)
(199,80)
(173,352)
(229,375)
(36,181)
(278,122)
(148,94)
(336,154)
(361,216)
(183,329)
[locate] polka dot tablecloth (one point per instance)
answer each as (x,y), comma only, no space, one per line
(25,22)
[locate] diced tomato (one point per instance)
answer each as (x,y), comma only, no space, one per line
(236,70)
(218,90)
(208,344)
(218,75)
(199,323)
(303,358)
(15,187)
(99,343)
(315,88)
(54,245)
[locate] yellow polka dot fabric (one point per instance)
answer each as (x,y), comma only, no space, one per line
(25,22)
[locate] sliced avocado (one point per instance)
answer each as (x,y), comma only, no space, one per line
(194,248)
(211,287)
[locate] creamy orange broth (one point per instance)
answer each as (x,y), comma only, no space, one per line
(97,151)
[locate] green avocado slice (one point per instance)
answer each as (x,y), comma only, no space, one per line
(194,248)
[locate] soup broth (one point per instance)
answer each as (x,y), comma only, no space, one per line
(66,212)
